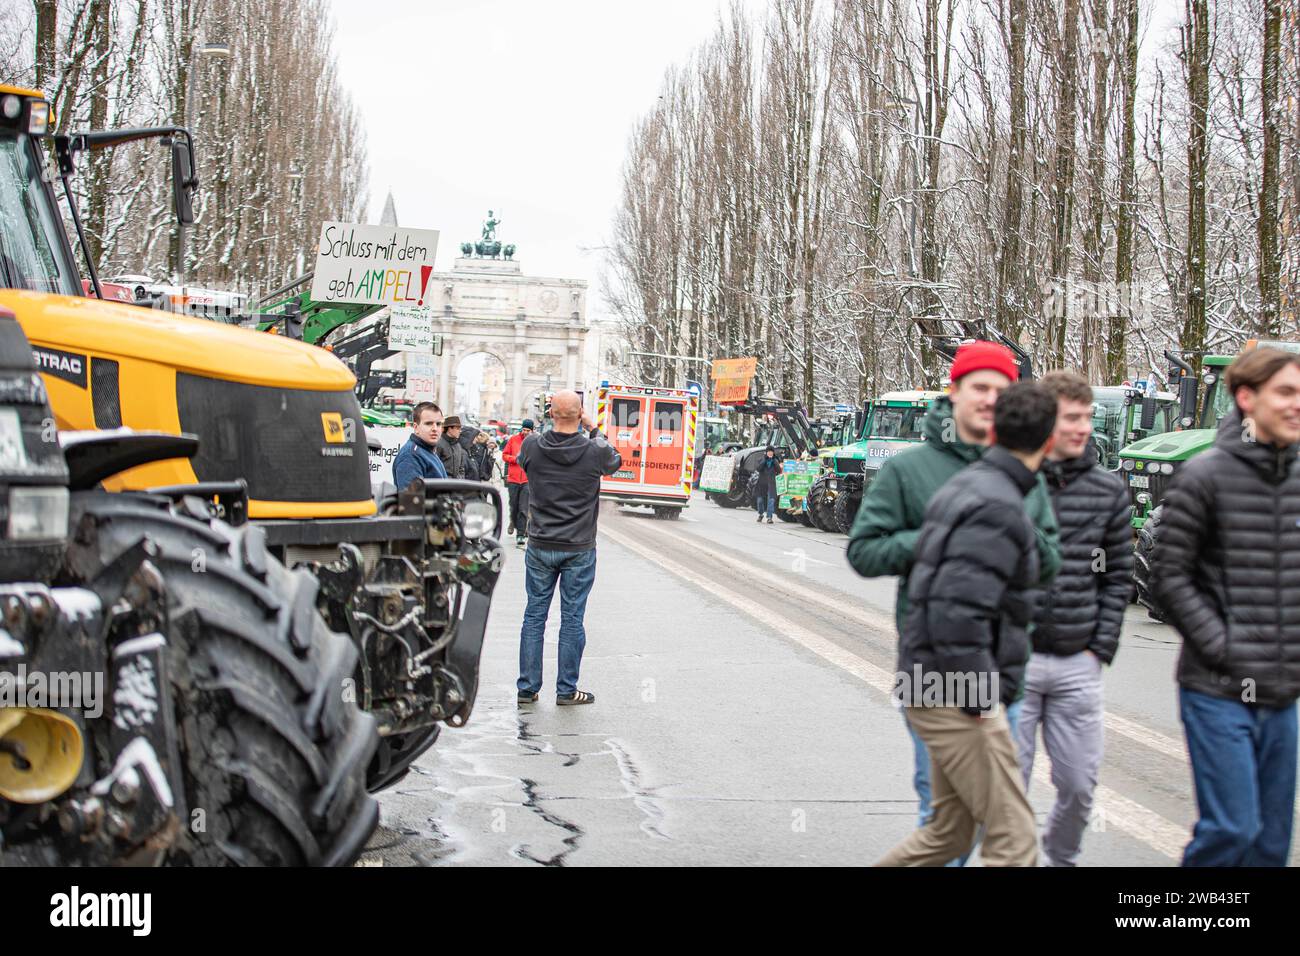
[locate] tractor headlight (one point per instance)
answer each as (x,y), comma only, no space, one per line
(38,119)
(37,514)
(11,106)
(480,518)
(1143,498)
(1127,464)
(1168,468)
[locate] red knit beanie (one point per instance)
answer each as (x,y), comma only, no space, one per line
(977,355)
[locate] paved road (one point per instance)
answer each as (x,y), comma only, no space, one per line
(742,674)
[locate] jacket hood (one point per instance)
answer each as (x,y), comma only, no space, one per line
(939,424)
(566,448)
(1269,460)
(1061,473)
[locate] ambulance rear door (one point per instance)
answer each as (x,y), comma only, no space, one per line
(626,432)
(665,454)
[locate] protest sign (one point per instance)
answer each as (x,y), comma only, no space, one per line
(373,265)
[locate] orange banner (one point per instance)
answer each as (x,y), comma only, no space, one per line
(731,389)
(736,368)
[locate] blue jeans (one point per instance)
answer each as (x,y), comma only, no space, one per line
(766,504)
(575,571)
(1244,770)
(921,775)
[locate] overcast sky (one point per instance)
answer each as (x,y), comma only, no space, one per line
(519,106)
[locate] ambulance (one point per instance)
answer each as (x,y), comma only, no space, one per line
(654,430)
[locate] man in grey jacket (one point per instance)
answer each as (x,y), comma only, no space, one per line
(564,467)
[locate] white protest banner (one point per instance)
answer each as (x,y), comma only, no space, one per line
(373,265)
(716,474)
(411,330)
(421,377)
(391,441)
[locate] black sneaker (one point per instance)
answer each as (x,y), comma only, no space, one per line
(577,697)
(760,516)
(523,697)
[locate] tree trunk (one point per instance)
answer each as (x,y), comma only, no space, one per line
(1011,305)
(1092,361)
(47,40)
(1126,214)
(1063,172)
(1196,49)
(1268,324)
(100,165)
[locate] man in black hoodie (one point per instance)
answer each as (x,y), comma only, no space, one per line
(964,644)
(564,467)
(1227,569)
(1078,630)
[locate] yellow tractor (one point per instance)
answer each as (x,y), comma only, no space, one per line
(281,452)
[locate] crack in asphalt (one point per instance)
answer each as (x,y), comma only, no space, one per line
(533,803)
(642,798)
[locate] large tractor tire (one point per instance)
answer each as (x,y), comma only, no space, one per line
(1143,568)
(786,516)
(846,509)
(819,510)
(272,748)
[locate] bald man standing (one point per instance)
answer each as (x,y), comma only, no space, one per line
(564,467)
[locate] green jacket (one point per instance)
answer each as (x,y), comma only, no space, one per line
(883,536)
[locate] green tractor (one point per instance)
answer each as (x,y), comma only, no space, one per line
(1148,465)
(886,426)
(1124,414)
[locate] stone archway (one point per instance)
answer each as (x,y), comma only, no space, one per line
(482,387)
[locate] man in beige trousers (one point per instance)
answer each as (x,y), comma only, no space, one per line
(965,642)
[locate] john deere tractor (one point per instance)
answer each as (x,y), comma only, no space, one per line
(1123,414)
(887,425)
(1148,465)
(407,575)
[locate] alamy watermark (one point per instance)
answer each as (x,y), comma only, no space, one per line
(54,690)
(1077,299)
(976,690)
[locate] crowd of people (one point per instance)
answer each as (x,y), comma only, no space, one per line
(1014,555)
(553,483)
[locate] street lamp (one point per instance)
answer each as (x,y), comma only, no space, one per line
(216,51)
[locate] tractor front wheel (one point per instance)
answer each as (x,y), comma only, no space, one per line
(1143,566)
(846,509)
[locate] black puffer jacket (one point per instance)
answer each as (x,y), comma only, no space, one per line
(1085,606)
(1227,569)
(971,587)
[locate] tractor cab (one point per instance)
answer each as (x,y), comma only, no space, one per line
(1123,414)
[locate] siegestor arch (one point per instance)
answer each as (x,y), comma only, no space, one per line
(481,404)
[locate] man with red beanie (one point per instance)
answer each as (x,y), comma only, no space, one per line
(517,483)
(957,429)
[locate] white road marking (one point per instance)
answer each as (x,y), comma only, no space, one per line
(1112,809)
(802,556)
(1131,729)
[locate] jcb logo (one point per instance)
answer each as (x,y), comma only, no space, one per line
(332,422)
